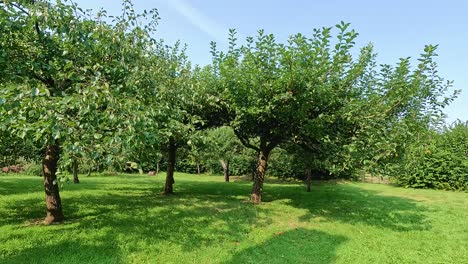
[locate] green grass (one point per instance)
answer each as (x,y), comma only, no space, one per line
(123,219)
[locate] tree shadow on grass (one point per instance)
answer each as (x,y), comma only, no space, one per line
(333,201)
(56,250)
(350,204)
(295,246)
(137,219)
(190,219)
(12,184)
(22,211)
(19,184)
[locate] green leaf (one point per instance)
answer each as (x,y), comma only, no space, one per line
(35,92)
(57,135)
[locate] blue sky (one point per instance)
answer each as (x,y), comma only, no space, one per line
(396,28)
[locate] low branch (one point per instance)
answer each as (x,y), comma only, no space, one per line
(275,141)
(245,141)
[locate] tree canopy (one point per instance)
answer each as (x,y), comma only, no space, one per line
(314,91)
(72,82)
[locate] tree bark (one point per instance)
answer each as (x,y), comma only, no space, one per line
(259,177)
(308,179)
(172,149)
(198,167)
(157,168)
(225,165)
(75,171)
(49,169)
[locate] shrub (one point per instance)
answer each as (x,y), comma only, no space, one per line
(30,167)
(441,162)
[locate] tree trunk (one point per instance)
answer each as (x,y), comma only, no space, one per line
(49,169)
(225,165)
(89,171)
(308,179)
(75,171)
(259,177)
(198,167)
(157,168)
(172,148)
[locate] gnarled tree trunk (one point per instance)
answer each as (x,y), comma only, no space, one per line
(259,177)
(225,165)
(172,148)
(75,171)
(49,169)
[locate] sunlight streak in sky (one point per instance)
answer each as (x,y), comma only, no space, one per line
(199,20)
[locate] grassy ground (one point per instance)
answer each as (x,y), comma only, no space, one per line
(123,219)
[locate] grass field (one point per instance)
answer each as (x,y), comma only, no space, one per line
(123,219)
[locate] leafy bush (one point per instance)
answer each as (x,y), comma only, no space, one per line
(284,165)
(30,167)
(440,162)
(13,148)
(188,166)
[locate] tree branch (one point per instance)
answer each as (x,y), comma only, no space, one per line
(275,141)
(245,141)
(49,82)
(386,112)
(16,6)
(25,11)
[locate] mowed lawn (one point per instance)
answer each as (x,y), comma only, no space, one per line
(124,219)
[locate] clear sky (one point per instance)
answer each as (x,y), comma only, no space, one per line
(398,28)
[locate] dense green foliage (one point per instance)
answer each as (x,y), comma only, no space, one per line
(68,79)
(14,149)
(334,112)
(438,160)
(205,149)
(122,219)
